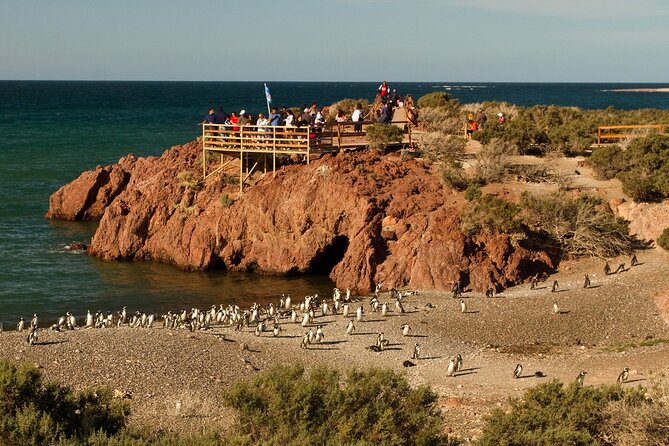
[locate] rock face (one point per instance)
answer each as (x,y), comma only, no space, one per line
(361,217)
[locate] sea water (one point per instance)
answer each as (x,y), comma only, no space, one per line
(50,132)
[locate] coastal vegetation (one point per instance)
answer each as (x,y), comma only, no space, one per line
(379,136)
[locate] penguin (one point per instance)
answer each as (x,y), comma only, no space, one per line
(350,328)
(555,286)
(458,362)
(463,306)
(580,378)
(416,351)
(319,334)
(150,321)
(89,320)
(124,315)
(32,336)
(324,308)
(556,309)
(305,319)
(384,309)
(586,281)
(345,310)
(348,295)
(289,303)
(518,371)
(381,340)
(450,371)
(305,341)
(535,281)
(408,363)
(21,325)
(539,374)
(259,328)
(34,322)
(623,375)
(405,329)
(399,306)
(490,292)
(359,313)
(293,317)
(633,260)
(277,330)
(607,268)
(310,336)
(2,326)
(621,268)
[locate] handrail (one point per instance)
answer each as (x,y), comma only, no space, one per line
(603,135)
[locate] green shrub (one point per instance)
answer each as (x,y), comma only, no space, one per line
(663,239)
(580,226)
(285,406)
(36,412)
(550,414)
(454,177)
(440,147)
(491,214)
(607,162)
(189,180)
(380,136)
(473,192)
(435,99)
(226,201)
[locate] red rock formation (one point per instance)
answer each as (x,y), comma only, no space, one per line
(362,217)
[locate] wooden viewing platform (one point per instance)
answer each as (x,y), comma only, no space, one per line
(610,134)
(255,143)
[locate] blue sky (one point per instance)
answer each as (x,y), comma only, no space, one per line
(356,40)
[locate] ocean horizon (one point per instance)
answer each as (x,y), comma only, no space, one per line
(52,131)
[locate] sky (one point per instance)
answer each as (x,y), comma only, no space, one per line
(336,40)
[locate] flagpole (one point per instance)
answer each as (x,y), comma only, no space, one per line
(268,98)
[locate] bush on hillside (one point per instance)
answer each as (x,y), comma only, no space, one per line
(36,412)
(435,99)
(607,162)
(493,161)
(663,239)
(440,147)
(491,214)
(286,406)
(551,414)
(581,226)
(380,136)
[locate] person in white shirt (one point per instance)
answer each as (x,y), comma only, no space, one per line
(357,117)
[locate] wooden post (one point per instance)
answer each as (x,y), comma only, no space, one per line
(204,156)
(241,170)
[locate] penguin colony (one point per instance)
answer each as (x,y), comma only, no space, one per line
(262,319)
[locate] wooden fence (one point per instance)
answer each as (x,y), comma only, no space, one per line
(609,134)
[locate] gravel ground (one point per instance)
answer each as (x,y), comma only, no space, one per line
(162,368)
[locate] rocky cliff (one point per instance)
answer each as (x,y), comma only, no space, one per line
(360,217)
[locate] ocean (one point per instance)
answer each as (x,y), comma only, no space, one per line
(50,132)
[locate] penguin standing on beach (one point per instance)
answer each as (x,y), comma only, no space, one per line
(556,309)
(633,260)
(580,378)
(518,371)
(463,306)
(89,320)
(450,371)
(555,286)
(384,309)
(623,375)
(358,313)
(607,268)
(405,329)
(21,325)
(416,351)
(458,362)
(350,328)
(586,281)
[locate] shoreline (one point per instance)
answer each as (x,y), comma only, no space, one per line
(641,90)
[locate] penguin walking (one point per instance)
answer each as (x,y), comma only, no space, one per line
(581,377)
(458,362)
(21,325)
(32,336)
(586,281)
(345,310)
(607,268)
(319,334)
(621,268)
(623,375)
(535,282)
(305,341)
(556,309)
(277,330)
(384,309)
(350,328)
(450,371)
(399,306)
(305,319)
(555,286)
(518,371)
(416,351)
(405,329)
(358,313)
(633,260)
(463,306)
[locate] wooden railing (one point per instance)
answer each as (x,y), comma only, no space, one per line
(609,134)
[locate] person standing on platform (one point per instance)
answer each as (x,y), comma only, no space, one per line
(384,91)
(357,117)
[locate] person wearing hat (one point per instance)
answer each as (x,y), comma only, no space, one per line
(501,119)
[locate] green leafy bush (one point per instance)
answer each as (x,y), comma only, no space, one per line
(607,162)
(226,201)
(550,414)
(663,239)
(581,226)
(440,147)
(473,192)
(435,99)
(36,412)
(491,214)
(285,406)
(380,136)
(454,177)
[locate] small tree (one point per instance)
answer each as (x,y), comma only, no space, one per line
(663,239)
(380,136)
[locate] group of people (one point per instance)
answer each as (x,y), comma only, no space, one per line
(284,116)
(478,122)
(389,96)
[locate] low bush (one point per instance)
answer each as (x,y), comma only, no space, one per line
(491,214)
(226,201)
(580,226)
(454,177)
(435,99)
(380,136)
(190,180)
(285,406)
(440,147)
(663,239)
(473,192)
(493,161)
(551,414)
(36,412)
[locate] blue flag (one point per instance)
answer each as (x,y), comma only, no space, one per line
(267,95)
